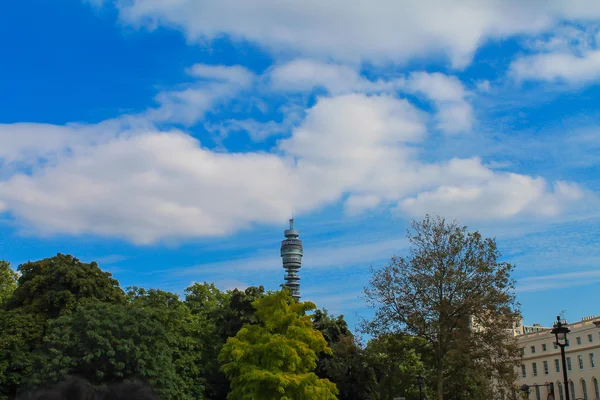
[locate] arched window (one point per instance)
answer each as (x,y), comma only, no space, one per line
(537,393)
(572,386)
(596,388)
(561,395)
(584,389)
(551,388)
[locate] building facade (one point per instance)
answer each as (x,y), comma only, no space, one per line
(541,362)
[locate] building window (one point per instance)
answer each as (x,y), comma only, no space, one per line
(523,371)
(534,369)
(545,367)
(578,340)
(552,388)
(560,391)
(584,389)
(568,363)
(590,338)
(537,393)
(592,362)
(544,347)
(532,349)
(522,351)
(572,385)
(580,361)
(596,388)
(557,365)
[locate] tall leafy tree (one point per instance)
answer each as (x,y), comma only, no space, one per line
(274,359)
(105,342)
(57,285)
(185,336)
(348,365)
(241,310)
(8,281)
(20,335)
(46,290)
(451,281)
(222,315)
(397,360)
(333,328)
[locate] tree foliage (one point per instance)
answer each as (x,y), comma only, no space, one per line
(8,282)
(440,312)
(105,342)
(347,366)
(397,359)
(20,334)
(57,285)
(274,359)
(222,315)
(451,281)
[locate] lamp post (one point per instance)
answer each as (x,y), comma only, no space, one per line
(560,331)
(420,383)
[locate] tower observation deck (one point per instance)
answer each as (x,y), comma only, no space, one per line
(291,254)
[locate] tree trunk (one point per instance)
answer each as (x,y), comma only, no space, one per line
(440,380)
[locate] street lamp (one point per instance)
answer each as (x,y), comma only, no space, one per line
(420,383)
(561,330)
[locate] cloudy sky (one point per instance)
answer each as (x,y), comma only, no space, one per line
(171,140)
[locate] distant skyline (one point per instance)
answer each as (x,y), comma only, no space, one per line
(172,141)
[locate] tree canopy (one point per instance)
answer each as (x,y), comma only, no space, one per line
(55,286)
(452,290)
(442,311)
(274,359)
(8,281)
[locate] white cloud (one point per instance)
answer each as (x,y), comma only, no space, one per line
(499,196)
(150,186)
(558,281)
(484,86)
(215,85)
(448,93)
(145,185)
(453,113)
(305,74)
(227,74)
(559,67)
(570,56)
(352,30)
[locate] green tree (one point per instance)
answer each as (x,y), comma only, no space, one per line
(240,311)
(348,366)
(397,360)
(333,328)
(46,289)
(185,336)
(274,359)
(222,315)
(57,285)
(105,342)
(8,281)
(452,281)
(20,335)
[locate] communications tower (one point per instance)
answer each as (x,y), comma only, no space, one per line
(291,255)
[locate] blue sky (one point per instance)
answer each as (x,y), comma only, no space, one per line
(171,141)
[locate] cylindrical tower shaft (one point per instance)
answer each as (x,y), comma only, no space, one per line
(291,255)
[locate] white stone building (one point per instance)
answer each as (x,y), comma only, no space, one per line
(541,361)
